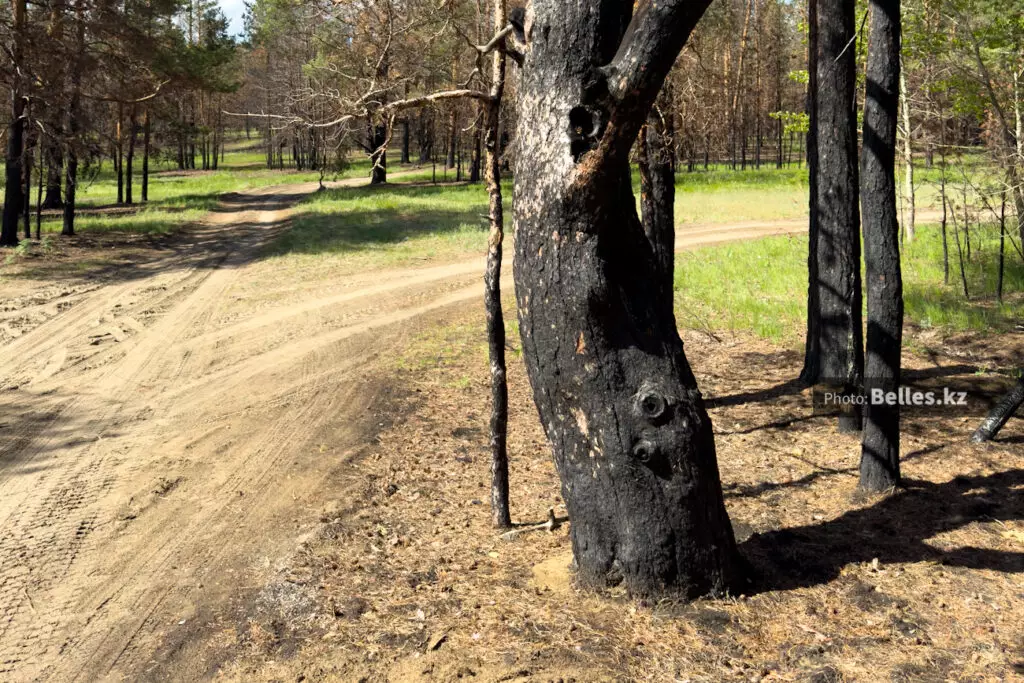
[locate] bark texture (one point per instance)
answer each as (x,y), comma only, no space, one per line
(500,513)
(658,189)
(13,199)
(630,435)
(880,451)
(812,349)
(1000,415)
(838,299)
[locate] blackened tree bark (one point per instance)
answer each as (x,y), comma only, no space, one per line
(145,153)
(54,169)
(658,188)
(405,141)
(999,415)
(73,124)
(500,513)
(812,349)
(880,452)
(837,313)
(453,138)
(130,157)
(631,438)
(377,146)
(13,198)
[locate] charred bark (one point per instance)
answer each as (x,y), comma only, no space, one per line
(658,189)
(500,513)
(54,169)
(880,451)
(13,198)
(630,435)
(999,415)
(838,342)
(812,349)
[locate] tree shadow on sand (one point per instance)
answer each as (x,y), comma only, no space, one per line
(895,529)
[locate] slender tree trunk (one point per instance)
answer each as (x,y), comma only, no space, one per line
(880,446)
(812,347)
(28,156)
(500,513)
(73,125)
(145,155)
(1002,247)
(39,191)
(15,133)
(908,159)
(130,157)
(405,141)
(453,138)
(838,298)
(119,153)
(631,438)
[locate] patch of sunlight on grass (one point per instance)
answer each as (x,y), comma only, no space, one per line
(395,224)
(760,286)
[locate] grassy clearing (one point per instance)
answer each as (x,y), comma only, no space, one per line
(367,227)
(760,286)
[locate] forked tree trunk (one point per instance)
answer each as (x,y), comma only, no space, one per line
(836,272)
(880,451)
(631,438)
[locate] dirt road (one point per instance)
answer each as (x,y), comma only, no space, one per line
(170,432)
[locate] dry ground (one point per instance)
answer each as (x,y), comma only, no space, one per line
(212,465)
(411,584)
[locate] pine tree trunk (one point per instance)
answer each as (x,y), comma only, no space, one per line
(130,158)
(631,438)
(500,512)
(839,343)
(54,169)
(812,348)
(13,199)
(880,454)
(145,155)
(405,141)
(73,126)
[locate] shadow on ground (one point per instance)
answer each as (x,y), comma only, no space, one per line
(895,529)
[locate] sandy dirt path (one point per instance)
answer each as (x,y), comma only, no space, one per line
(169,434)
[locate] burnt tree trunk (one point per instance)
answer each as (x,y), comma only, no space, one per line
(378,138)
(999,415)
(500,513)
(130,158)
(880,446)
(15,134)
(54,168)
(630,435)
(405,141)
(812,348)
(145,154)
(73,125)
(836,274)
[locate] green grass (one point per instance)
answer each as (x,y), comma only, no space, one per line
(389,225)
(760,286)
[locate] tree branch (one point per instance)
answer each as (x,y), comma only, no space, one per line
(656,34)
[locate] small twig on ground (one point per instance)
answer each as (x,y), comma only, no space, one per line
(550,525)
